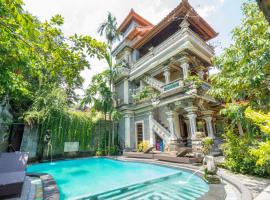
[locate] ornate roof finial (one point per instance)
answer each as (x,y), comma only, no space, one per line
(184,25)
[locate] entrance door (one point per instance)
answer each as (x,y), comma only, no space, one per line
(139,128)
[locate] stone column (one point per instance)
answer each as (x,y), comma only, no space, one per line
(207,116)
(127,130)
(151,133)
(192,121)
(170,117)
(126,91)
(141,85)
(188,129)
(167,75)
(184,63)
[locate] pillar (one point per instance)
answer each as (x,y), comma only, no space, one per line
(141,85)
(127,130)
(170,117)
(192,121)
(207,116)
(126,91)
(151,133)
(184,63)
(167,75)
(188,129)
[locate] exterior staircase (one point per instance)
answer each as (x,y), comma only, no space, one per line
(162,131)
(156,84)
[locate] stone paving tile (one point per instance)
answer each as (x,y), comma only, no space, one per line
(255,184)
(265,195)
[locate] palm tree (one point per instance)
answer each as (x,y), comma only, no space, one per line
(112,34)
(109,28)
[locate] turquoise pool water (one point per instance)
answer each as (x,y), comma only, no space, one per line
(77,179)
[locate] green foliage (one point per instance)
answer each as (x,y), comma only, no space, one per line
(193,81)
(100,152)
(145,93)
(259,118)
(143,146)
(243,84)
(207,145)
(262,154)
(114,150)
(245,65)
(262,151)
(50,112)
(239,158)
(110,29)
(35,54)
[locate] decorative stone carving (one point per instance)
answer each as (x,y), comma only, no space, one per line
(184,25)
(210,170)
(192,120)
(207,116)
(167,75)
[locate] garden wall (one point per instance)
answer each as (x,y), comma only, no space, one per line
(91,137)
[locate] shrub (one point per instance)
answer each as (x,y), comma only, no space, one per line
(207,145)
(114,150)
(100,152)
(239,157)
(143,146)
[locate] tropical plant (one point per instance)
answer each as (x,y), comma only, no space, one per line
(239,155)
(146,92)
(143,146)
(245,65)
(243,84)
(262,151)
(207,145)
(36,54)
(109,28)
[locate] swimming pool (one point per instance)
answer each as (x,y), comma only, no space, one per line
(77,179)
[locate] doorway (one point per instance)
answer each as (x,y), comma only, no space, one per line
(139,131)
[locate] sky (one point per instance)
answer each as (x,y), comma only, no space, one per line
(85,16)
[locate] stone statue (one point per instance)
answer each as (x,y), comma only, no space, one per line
(210,170)
(6,120)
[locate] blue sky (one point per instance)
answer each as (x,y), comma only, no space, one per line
(84,17)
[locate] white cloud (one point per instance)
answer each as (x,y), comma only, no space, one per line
(206,11)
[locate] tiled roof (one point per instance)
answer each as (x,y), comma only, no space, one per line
(136,17)
(182,10)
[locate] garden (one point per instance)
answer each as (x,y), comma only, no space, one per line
(40,74)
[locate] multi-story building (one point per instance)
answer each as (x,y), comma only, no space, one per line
(162,90)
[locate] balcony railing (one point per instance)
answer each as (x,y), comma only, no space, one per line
(173,43)
(173,85)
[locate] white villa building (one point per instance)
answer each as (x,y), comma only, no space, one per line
(162,89)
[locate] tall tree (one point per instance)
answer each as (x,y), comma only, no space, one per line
(36,55)
(245,65)
(110,29)
(243,83)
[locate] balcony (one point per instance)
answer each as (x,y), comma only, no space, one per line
(169,48)
(173,85)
